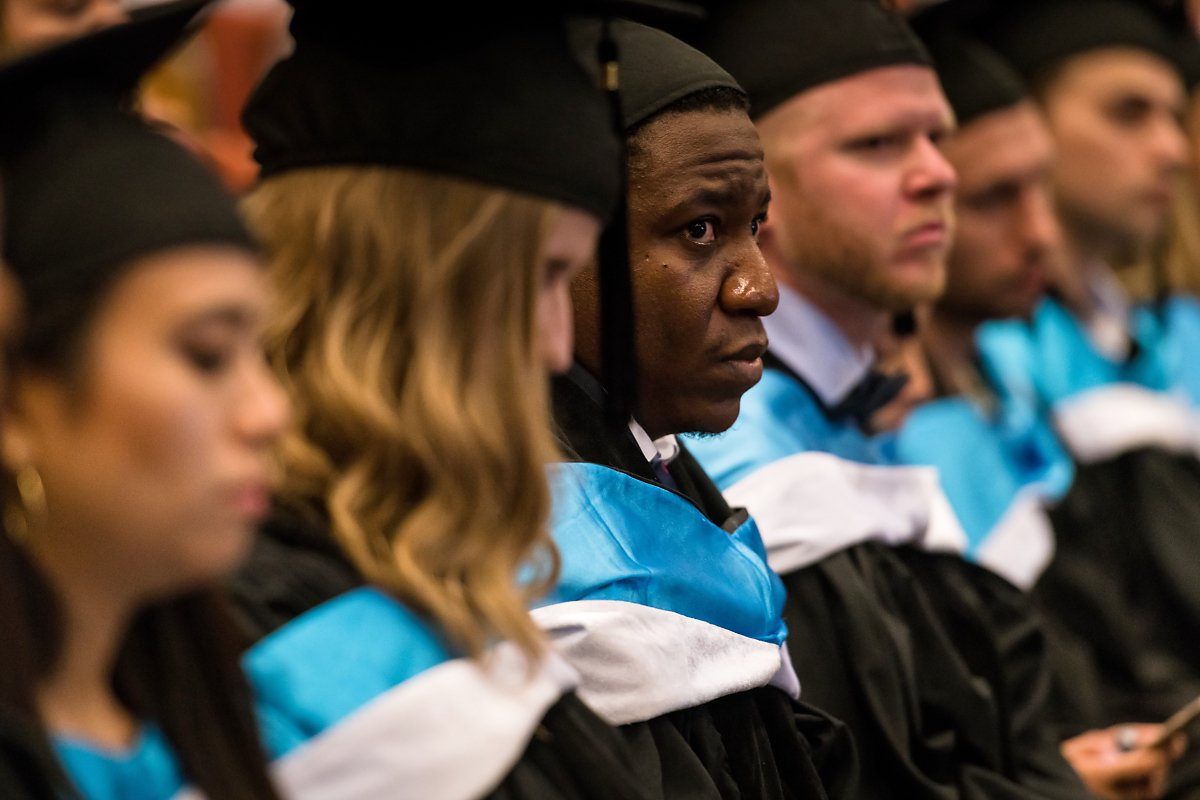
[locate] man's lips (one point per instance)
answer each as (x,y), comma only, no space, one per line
(748,353)
(745,363)
(926,235)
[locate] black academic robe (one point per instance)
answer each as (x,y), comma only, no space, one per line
(1123,595)
(757,744)
(1125,585)
(1122,592)
(938,668)
(574,754)
(27,769)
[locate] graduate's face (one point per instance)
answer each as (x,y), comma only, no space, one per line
(1114,115)
(29,23)
(697,196)
(861,194)
(154,450)
(569,247)
(1007,234)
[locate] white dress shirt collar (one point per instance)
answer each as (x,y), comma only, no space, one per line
(662,450)
(1108,326)
(809,342)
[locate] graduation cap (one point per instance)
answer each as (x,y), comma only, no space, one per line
(1036,35)
(495,97)
(779,48)
(974,78)
(88,186)
(657,69)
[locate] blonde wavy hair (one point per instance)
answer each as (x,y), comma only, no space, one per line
(406,333)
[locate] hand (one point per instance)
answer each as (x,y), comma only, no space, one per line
(1113,773)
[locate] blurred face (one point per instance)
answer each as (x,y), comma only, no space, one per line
(861,193)
(30,23)
(570,246)
(154,452)
(697,196)
(1114,116)
(1006,229)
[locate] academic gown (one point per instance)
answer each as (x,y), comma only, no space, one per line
(935,664)
(1124,587)
(26,771)
(702,710)
(360,698)
(1003,469)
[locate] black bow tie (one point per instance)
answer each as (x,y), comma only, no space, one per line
(872,393)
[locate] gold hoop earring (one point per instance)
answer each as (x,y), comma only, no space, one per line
(28,505)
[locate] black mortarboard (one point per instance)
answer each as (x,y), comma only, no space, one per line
(88,186)
(1036,35)
(975,79)
(657,69)
(777,49)
(495,96)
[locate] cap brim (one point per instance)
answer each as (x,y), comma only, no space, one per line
(112,60)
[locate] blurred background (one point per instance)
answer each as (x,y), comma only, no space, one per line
(202,89)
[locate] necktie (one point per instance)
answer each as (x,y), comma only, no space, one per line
(872,393)
(664,475)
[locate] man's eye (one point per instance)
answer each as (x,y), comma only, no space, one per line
(876,144)
(702,231)
(756,224)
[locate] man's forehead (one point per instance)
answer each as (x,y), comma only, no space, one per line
(702,141)
(1120,70)
(1010,144)
(726,180)
(904,95)
(699,157)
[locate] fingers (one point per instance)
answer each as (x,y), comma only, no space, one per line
(1112,773)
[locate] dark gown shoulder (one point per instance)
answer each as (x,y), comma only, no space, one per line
(1125,585)
(929,690)
(27,769)
(729,749)
(574,755)
(753,744)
